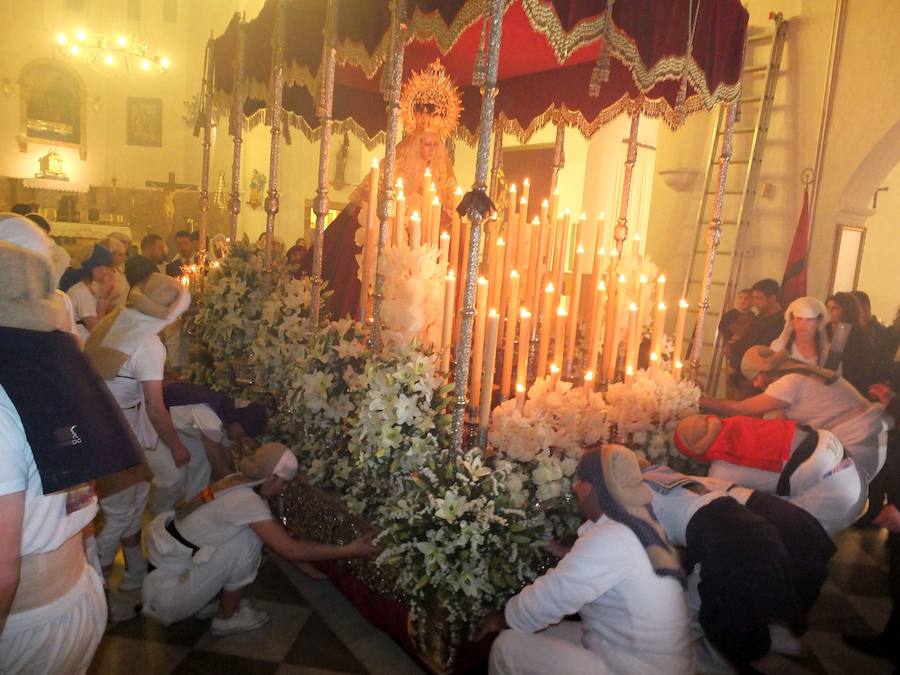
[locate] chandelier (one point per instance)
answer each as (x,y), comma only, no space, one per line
(111,52)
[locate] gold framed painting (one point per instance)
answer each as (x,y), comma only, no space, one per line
(143,121)
(52,107)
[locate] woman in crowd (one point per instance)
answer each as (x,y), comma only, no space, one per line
(804,337)
(94,296)
(859,360)
(214,545)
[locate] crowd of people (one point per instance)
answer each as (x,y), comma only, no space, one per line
(670,572)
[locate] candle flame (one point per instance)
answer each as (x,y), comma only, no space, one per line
(549,288)
(637,236)
(415,216)
(459,191)
(580,249)
(545,204)
(433,188)
(654,356)
(589,376)
(629,370)
(632,307)
(526,182)
(661,279)
(601,286)
(482,281)
(399,183)
(492,313)
(556,191)
(622,279)
(603,215)
(567,212)
(374,163)
(523,201)
(683,303)
(601,251)
(451,276)
(512,188)
(561,311)
(501,241)
(554,369)
(644,279)
(520,388)
(583,215)
(514,275)
(427,171)
(524,314)
(445,235)
(536,221)
(679,364)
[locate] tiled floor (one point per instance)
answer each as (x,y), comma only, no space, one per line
(315,631)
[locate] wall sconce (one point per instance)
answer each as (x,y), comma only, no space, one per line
(7,87)
(96,104)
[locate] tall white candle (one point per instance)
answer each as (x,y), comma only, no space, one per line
(415,230)
(679,330)
(524,347)
(490,362)
(546,327)
(481,295)
(447,326)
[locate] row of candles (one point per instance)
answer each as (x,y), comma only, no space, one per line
(525,268)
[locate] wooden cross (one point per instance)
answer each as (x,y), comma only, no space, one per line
(169,189)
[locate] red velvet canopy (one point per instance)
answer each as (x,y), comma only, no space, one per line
(549,51)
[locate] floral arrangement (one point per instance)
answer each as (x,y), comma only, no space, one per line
(413,294)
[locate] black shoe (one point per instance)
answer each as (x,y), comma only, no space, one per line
(876,645)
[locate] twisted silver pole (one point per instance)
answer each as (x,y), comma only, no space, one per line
(207,94)
(620,232)
(275,115)
(464,347)
(237,129)
(321,203)
(386,193)
(713,235)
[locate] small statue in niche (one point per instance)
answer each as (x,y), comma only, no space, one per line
(257,189)
(340,169)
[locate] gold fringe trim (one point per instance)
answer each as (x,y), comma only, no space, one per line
(313,134)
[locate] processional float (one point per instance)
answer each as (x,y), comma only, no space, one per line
(575,64)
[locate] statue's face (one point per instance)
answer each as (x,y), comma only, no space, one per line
(428,144)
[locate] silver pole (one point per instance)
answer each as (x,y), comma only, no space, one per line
(386,193)
(275,114)
(464,348)
(620,233)
(713,235)
(208,84)
(237,130)
(321,204)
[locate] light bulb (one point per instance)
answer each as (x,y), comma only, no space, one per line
(109,60)
(80,35)
(164,62)
(61,39)
(120,40)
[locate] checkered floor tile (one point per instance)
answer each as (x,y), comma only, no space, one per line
(316,631)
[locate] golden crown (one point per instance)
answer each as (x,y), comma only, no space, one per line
(430,102)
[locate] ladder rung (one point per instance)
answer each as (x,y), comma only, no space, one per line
(761,37)
(727,192)
(717,252)
(714,283)
(756,69)
(733,161)
(751,99)
(694,310)
(742,130)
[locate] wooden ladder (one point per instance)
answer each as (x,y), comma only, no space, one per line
(738,204)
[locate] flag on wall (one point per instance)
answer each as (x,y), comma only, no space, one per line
(793,284)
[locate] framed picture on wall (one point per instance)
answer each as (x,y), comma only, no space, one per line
(848,253)
(143,122)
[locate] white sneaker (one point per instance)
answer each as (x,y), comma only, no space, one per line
(132,581)
(246,618)
(784,642)
(209,610)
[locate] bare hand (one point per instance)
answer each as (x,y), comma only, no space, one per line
(881,392)
(889,517)
(362,547)
(181,456)
(492,623)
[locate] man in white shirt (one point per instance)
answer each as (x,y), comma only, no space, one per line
(813,396)
(94,296)
(56,422)
(127,352)
(622,577)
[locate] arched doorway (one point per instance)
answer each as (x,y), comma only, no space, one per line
(867,235)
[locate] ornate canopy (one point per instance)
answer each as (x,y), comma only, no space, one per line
(577,61)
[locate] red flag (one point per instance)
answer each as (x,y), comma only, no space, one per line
(793,285)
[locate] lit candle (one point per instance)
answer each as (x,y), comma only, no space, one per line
(574,304)
(554,375)
(636,244)
(660,288)
(659,323)
(512,314)
(495,270)
(490,361)
(444,249)
(559,258)
(400,219)
(185,281)
(509,261)
(523,244)
(415,230)
(654,361)
(520,397)
(435,220)
(426,205)
(679,330)
(478,340)
(676,371)
(596,318)
(561,315)
(589,382)
(532,277)
(510,230)
(455,232)
(643,303)
(553,206)
(546,326)
(447,326)
(610,333)
(600,241)
(629,375)
(632,337)
(524,347)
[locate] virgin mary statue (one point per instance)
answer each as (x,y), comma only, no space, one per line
(429,108)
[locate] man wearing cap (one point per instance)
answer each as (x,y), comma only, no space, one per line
(803,337)
(622,577)
(119,251)
(126,351)
(59,430)
(214,545)
(814,396)
(93,297)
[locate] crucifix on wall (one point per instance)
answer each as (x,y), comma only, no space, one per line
(169,189)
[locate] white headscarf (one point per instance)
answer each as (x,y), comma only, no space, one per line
(806,307)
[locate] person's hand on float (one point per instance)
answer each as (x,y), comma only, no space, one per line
(889,518)
(362,547)
(494,622)
(881,393)
(181,456)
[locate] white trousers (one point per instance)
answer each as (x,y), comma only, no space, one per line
(122,514)
(172,483)
(557,649)
(59,638)
(180,587)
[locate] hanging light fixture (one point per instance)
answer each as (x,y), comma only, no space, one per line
(111,52)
